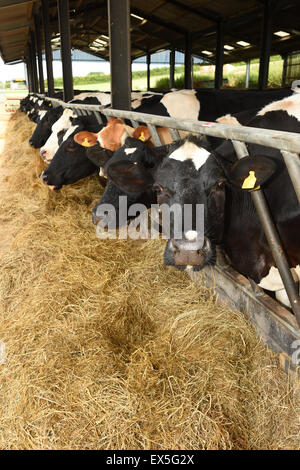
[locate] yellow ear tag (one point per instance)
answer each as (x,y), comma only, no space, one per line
(86,143)
(249,182)
(142,137)
(50,104)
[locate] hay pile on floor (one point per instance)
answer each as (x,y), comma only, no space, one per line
(108,349)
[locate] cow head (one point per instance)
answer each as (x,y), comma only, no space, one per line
(70,162)
(43,129)
(190,177)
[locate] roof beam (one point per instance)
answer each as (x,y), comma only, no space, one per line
(158,21)
(202,12)
(9,3)
(14,26)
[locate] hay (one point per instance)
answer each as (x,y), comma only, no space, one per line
(108,349)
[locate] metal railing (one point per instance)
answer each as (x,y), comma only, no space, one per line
(287,142)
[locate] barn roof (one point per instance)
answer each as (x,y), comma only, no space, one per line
(157,25)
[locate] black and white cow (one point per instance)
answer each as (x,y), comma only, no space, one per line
(191,175)
(44,130)
(70,162)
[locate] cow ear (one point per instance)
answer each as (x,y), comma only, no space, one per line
(142,133)
(85,138)
(130,177)
(250,173)
(98,155)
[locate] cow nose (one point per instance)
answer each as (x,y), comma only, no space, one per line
(44,177)
(43,153)
(31,142)
(190,251)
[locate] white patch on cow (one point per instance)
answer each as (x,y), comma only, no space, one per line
(64,122)
(228,119)
(69,132)
(103,98)
(34,99)
(273,282)
(182,104)
(190,235)
(190,151)
(129,151)
(138,97)
(136,103)
(42,114)
(291,105)
(40,102)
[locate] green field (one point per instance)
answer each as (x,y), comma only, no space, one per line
(203,76)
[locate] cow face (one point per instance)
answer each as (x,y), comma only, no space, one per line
(209,187)
(190,177)
(70,162)
(43,129)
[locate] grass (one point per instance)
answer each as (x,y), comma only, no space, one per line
(109,349)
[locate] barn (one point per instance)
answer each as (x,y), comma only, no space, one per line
(104,344)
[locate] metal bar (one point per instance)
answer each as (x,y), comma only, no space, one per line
(148,70)
(273,239)
(292,162)
(281,140)
(172,67)
(29,72)
(175,134)
(154,135)
(39,51)
(188,62)
(247,81)
(65,48)
(284,69)
(219,55)
(266,43)
(98,117)
(33,59)
(48,50)
(119,53)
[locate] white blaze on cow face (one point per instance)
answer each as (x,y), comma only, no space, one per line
(129,151)
(291,105)
(273,282)
(51,146)
(42,114)
(69,132)
(190,151)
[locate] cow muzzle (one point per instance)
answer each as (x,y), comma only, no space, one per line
(187,252)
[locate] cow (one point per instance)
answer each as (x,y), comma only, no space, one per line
(50,145)
(191,175)
(70,162)
(43,129)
